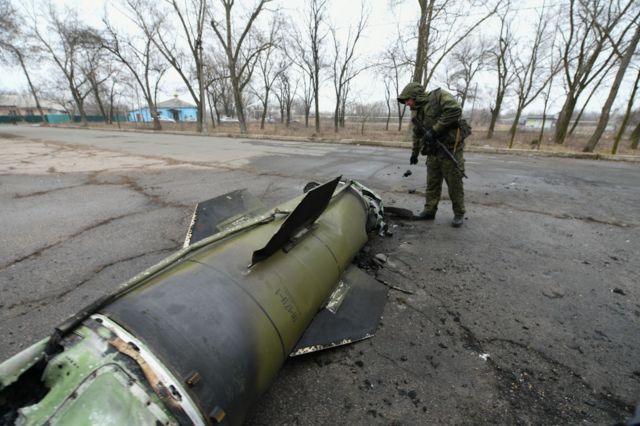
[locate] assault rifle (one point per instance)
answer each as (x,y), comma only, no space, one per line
(438,145)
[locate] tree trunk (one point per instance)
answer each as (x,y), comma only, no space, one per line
(33,90)
(564,118)
(237,97)
(514,126)
(421,51)
(495,112)
(316,103)
(201,111)
(96,94)
(627,115)
(606,110)
(635,137)
(282,112)
(544,121)
(544,113)
(386,127)
(264,110)
(154,114)
(288,112)
(213,118)
(80,104)
(343,112)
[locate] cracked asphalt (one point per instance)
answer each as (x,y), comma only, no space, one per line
(528,314)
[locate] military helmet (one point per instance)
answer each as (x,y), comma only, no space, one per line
(413,90)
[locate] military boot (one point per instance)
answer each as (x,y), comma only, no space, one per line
(426,215)
(457,221)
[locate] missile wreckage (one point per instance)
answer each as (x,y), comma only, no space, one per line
(197,338)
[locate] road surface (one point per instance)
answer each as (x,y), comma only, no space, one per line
(528,314)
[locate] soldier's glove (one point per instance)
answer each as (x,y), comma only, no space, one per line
(414,159)
(430,136)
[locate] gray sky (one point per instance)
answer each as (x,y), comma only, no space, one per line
(381,30)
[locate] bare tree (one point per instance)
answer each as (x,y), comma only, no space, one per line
(8,20)
(308,52)
(613,92)
(440,30)
(64,40)
(396,69)
(627,114)
(97,68)
(307,96)
(138,56)
(287,88)
(151,18)
(529,82)
(15,47)
(241,58)
(635,136)
(345,68)
(269,69)
(218,87)
(592,26)
(503,66)
(465,61)
(387,101)
(594,87)
(545,96)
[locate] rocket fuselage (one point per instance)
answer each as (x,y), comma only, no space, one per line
(232,325)
(207,330)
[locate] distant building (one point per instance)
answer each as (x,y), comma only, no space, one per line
(170,110)
(535,121)
(24,106)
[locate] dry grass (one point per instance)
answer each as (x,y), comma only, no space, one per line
(375,132)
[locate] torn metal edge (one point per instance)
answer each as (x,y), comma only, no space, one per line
(164,375)
(337,296)
(316,348)
(187,238)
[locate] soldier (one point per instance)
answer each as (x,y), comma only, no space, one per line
(436,117)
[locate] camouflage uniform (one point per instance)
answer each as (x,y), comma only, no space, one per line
(438,110)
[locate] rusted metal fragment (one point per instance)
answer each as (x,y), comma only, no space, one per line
(167,396)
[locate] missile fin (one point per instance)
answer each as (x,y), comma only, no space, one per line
(356,317)
(306,212)
(219,213)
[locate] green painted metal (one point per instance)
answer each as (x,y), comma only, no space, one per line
(92,383)
(14,367)
(92,380)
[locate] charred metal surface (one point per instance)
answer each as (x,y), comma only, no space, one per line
(197,319)
(309,209)
(204,332)
(356,318)
(213,215)
(235,326)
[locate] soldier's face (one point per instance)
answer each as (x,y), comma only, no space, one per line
(410,102)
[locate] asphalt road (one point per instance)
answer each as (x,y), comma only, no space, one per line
(528,314)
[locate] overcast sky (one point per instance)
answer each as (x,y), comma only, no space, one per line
(381,30)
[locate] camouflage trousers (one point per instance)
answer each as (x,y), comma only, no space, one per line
(439,168)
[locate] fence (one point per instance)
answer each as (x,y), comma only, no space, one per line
(54,118)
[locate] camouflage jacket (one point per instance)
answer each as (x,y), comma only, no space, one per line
(436,109)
